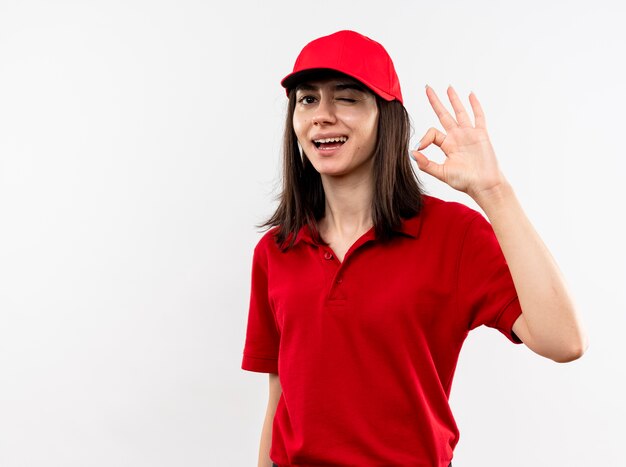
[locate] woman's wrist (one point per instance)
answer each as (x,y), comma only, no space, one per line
(496,197)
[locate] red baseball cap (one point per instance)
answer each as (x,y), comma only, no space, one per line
(352,54)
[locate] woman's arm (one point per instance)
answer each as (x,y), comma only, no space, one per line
(266,434)
(549,324)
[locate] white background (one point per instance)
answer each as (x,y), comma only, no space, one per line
(139,146)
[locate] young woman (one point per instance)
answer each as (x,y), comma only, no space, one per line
(365,288)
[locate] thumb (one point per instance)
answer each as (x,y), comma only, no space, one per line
(428,166)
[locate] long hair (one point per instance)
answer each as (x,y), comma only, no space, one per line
(397,190)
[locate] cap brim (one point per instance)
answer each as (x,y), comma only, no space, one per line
(292,80)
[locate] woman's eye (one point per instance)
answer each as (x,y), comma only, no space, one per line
(306,100)
(346,99)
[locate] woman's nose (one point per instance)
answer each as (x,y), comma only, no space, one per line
(324,113)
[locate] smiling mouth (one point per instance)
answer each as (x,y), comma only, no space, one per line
(330,143)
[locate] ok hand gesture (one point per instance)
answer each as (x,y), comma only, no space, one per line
(470,164)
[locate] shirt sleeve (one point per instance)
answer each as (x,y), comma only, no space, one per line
(487,294)
(260,352)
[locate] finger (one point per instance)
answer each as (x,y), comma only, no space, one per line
(428,166)
(461,115)
(432,136)
(444,116)
(479,115)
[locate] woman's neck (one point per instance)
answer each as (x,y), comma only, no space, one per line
(348,206)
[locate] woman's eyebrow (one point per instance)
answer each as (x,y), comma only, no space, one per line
(338,87)
(355,86)
(305,87)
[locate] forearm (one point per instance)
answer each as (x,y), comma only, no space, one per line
(266,440)
(546,304)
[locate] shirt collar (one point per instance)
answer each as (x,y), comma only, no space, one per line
(410,227)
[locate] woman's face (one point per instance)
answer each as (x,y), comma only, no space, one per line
(336,121)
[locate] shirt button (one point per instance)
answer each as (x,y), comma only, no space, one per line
(328,255)
(339,281)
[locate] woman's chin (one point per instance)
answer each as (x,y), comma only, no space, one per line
(338,168)
(331,170)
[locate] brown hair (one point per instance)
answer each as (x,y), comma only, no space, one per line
(397,190)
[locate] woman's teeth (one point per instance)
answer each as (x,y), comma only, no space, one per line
(327,141)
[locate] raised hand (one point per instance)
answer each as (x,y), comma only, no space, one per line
(471,165)
(549,323)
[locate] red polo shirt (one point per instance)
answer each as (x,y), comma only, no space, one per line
(366,348)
